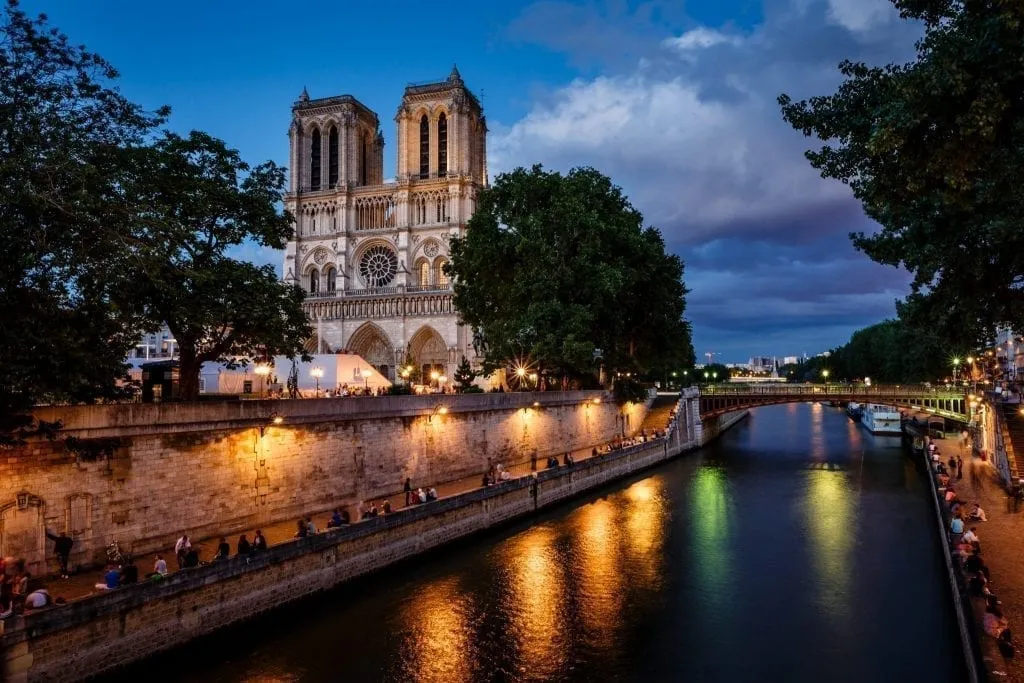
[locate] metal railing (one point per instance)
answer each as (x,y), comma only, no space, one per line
(825,390)
(379,291)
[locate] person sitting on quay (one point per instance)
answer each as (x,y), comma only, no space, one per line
(950,494)
(505,475)
(971,536)
(129,573)
(386,507)
(552,462)
(302,530)
(259,541)
(421,495)
(994,623)
(244,547)
(977,514)
(431,493)
(159,568)
(38,599)
(487,479)
(192,558)
(371,511)
(223,550)
(975,564)
(978,585)
(956,530)
(111,579)
(310,526)
(335,520)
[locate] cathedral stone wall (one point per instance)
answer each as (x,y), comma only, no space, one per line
(211,469)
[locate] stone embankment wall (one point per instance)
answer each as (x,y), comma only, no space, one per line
(213,468)
(113,629)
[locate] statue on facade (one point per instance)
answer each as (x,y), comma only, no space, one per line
(479,342)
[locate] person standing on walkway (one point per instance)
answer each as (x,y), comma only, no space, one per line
(62,546)
(181,549)
(408,490)
(959,468)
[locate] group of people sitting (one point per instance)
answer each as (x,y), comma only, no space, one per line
(16,593)
(966,546)
(496,474)
(417,496)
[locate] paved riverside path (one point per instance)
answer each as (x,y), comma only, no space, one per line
(1002,546)
(83,584)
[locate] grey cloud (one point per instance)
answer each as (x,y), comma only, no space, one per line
(692,132)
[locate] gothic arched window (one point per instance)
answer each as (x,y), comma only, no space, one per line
(332,158)
(332,279)
(314,160)
(314,281)
(424,147)
(439,275)
(424,273)
(442,145)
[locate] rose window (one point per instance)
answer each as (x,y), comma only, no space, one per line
(378,266)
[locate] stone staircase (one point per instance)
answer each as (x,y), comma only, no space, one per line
(1014,423)
(660,412)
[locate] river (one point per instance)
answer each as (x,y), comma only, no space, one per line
(795,548)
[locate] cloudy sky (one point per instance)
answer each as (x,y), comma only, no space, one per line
(675,100)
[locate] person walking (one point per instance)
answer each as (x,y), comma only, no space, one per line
(62,547)
(408,490)
(959,468)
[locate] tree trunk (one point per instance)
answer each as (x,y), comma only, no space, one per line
(188,377)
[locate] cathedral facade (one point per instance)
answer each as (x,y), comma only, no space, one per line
(370,254)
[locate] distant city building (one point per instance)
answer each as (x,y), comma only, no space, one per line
(790,360)
(761,364)
(371,254)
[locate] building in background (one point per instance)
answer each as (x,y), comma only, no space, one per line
(371,254)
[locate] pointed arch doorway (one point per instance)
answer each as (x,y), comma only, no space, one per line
(372,343)
(429,352)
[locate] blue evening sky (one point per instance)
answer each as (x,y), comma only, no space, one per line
(673,100)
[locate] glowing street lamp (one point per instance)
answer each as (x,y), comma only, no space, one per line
(824,374)
(262,369)
(316,373)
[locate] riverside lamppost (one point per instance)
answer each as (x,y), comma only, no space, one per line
(262,369)
(316,372)
(956,369)
(824,376)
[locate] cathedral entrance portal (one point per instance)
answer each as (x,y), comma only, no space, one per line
(370,342)
(429,352)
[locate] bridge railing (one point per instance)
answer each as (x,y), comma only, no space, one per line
(819,391)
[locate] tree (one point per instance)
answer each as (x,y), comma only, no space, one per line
(553,267)
(934,149)
(63,139)
(464,375)
(202,199)
(410,372)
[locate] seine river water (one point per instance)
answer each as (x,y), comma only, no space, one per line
(796,548)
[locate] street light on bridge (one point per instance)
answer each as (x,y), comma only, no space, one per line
(824,374)
(316,373)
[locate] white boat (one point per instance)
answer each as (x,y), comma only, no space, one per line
(881,419)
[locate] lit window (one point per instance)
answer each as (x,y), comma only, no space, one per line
(424,273)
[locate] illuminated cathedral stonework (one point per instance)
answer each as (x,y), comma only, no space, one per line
(368,253)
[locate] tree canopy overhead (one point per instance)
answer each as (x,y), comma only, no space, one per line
(554,269)
(111,228)
(934,149)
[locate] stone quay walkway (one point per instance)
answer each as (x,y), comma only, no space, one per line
(83,584)
(1002,546)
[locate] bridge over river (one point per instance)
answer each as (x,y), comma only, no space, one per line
(718,399)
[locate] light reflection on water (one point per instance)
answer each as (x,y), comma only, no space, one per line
(738,563)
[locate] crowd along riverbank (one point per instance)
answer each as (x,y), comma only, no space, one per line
(115,628)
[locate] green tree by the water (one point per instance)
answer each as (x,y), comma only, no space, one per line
(554,267)
(934,149)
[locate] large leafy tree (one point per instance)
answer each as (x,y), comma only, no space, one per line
(64,133)
(554,267)
(934,149)
(201,199)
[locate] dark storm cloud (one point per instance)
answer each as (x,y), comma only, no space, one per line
(691,130)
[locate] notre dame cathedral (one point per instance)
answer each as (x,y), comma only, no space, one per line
(370,254)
